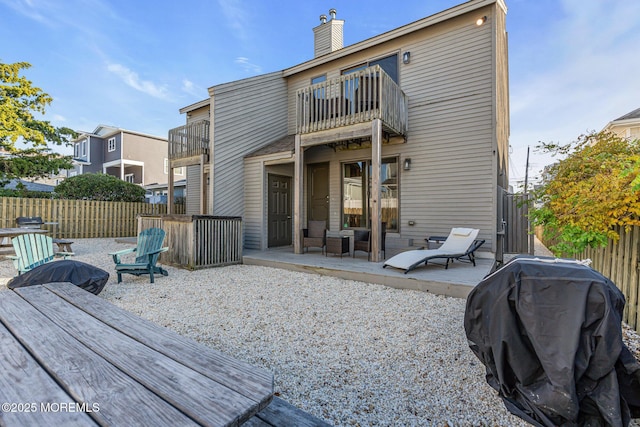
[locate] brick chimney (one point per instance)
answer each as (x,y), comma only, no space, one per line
(328,36)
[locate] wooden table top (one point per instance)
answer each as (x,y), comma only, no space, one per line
(71,358)
(13,232)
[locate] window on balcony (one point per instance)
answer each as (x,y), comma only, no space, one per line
(356,194)
(389,64)
(129,177)
(319,79)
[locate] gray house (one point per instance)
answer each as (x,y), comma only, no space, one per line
(131,156)
(409,128)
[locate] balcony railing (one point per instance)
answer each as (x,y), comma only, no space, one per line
(350,99)
(189,140)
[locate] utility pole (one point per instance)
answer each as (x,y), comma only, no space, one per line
(526,173)
(526,201)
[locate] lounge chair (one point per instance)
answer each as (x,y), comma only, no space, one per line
(460,243)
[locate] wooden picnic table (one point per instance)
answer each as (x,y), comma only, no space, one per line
(71,358)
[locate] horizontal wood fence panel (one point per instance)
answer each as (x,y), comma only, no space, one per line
(79,219)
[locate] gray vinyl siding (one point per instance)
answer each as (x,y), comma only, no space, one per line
(193,190)
(116,154)
(451,134)
(248,114)
(254,221)
(201,113)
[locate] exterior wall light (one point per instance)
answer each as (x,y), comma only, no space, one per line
(407,164)
(406,57)
(481,21)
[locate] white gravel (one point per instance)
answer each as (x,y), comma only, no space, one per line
(348,352)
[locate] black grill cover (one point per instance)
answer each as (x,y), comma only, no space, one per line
(549,334)
(88,277)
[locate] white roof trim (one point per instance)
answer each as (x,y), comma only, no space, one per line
(195,106)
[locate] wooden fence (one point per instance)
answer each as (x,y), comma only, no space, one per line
(79,219)
(618,261)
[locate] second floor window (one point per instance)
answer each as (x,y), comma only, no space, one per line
(389,64)
(111,144)
(76,150)
(129,178)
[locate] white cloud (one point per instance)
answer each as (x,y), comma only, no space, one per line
(132,79)
(248,66)
(59,118)
(192,89)
(584,76)
(237,17)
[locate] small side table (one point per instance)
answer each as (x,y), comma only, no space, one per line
(337,245)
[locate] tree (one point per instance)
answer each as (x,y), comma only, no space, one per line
(591,192)
(99,187)
(20,101)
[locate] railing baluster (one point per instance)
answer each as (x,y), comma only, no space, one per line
(349,99)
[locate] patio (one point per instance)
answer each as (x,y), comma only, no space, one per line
(456,281)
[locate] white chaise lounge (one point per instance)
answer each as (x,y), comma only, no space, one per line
(460,243)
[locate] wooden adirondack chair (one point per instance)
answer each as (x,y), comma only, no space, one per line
(147,250)
(33,250)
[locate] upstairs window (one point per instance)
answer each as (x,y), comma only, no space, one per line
(111,144)
(76,150)
(389,64)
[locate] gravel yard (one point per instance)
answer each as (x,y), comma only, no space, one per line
(349,352)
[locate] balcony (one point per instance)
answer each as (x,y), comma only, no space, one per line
(189,141)
(351,99)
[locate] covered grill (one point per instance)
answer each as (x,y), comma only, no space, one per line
(29,221)
(549,334)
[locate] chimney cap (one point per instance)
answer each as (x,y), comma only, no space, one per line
(332,13)
(323,19)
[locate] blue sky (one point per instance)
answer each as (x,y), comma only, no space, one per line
(133,64)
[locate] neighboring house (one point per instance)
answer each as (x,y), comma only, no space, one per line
(131,156)
(30,185)
(157,193)
(627,126)
(409,128)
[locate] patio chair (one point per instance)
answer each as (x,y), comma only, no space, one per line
(460,243)
(362,240)
(315,236)
(33,250)
(147,250)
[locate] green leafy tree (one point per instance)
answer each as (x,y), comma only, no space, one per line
(99,187)
(591,191)
(20,102)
